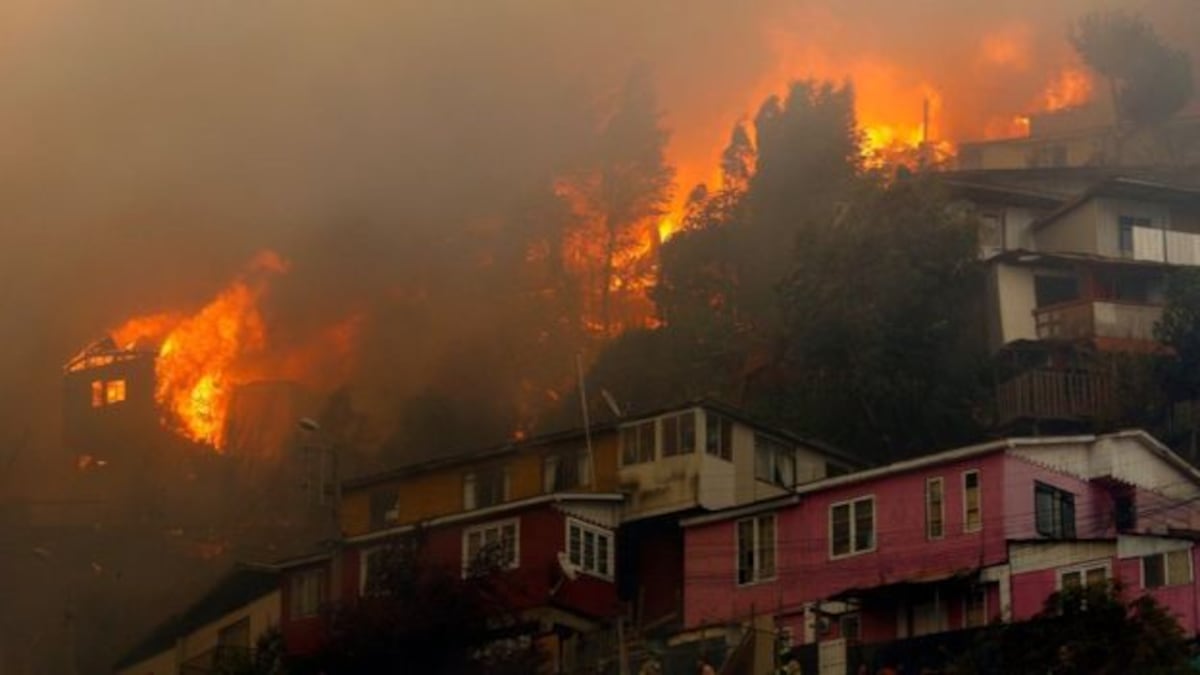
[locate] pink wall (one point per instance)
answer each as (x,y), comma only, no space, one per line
(1093,504)
(806,572)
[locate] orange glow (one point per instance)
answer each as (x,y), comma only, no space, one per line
(201,358)
(1070,88)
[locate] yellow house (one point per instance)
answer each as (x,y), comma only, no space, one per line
(221,628)
(699,454)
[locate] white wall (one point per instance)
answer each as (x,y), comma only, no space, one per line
(1012,304)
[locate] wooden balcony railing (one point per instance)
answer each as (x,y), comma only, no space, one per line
(1088,319)
(1054,395)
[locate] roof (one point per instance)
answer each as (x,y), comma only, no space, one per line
(977,188)
(1022,256)
(243,585)
(513,446)
(956,454)
(1127,188)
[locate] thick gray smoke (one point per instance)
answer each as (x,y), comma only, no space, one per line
(148,149)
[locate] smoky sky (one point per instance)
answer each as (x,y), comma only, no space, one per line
(149,148)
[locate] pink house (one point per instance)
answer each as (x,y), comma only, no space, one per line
(948,541)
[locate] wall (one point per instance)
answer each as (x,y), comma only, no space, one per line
(1073,232)
(303,635)
(806,572)
(1013,305)
(264,613)
(1093,505)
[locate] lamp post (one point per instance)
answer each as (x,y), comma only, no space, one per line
(327,446)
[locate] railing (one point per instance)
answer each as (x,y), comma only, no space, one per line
(1053,395)
(1166,246)
(1093,319)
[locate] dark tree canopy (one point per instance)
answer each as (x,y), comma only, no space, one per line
(1149,81)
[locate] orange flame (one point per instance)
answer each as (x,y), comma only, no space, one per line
(1070,88)
(201,358)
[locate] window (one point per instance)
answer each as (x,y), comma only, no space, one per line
(1167,569)
(1054,290)
(107,392)
(485,487)
(852,527)
(935,508)
(991,231)
(590,548)
(637,443)
(756,549)
(718,436)
(774,461)
(851,627)
(679,434)
(1125,227)
(972,503)
(491,546)
(975,607)
(1090,575)
(307,592)
(114,391)
(372,563)
(1054,512)
(384,508)
(565,470)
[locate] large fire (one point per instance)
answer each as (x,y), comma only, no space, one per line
(202,357)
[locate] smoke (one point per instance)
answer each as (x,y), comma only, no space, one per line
(148,149)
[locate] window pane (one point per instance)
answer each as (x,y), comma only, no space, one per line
(602,554)
(785,467)
(646,441)
(745,546)
(712,434)
(766,547)
(864,524)
(574,546)
(1179,568)
(1072,580)
(550,474)
(1094,576)
(763,460)
(687,432)
(589,551)
(1153,574)
(971,499)
(726,439)
(840,526)
(1067,514)
(629,439)
(97,394)
(670,431)
(933,508)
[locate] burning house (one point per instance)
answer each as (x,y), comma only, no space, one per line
(109,407)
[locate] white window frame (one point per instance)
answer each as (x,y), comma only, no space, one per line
(966,525)
(1166,571)
(1083,569)
(853,527)
(775,448)
(599,532)
(714,438)
(482,528)
(941,483)
(654,445)
(756,575)
(679,419)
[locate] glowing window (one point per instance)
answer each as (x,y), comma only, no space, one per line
(114,391)
(97,393)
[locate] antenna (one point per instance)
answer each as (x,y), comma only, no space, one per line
(587,424)
(612,403)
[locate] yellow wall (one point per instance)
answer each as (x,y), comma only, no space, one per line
(439,492)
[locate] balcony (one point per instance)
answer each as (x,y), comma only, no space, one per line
(1088,320)
(1165,246)
(1071,396)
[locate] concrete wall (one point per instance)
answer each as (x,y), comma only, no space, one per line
(1012,304)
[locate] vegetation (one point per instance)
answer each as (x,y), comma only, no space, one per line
(1093,630)
(416,616)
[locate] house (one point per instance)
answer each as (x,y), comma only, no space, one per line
(587,520)
(220,629)
(943,543)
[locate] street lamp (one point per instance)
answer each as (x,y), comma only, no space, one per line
(327,447)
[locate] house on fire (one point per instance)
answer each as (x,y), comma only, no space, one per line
(862,569)
(587,521)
